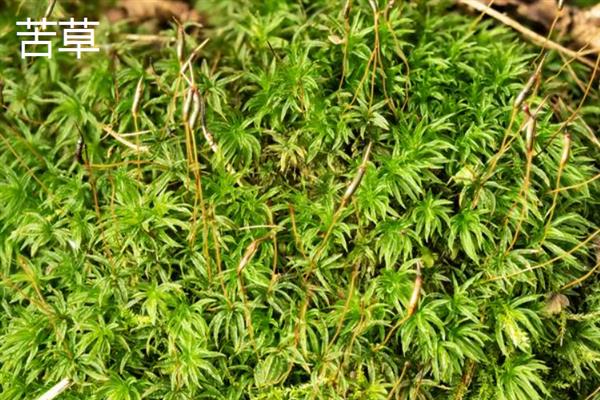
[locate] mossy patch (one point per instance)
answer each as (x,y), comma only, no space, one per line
(275,282)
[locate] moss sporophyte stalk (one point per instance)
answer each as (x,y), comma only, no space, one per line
(297,200)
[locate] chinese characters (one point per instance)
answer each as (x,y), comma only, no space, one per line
(78,37)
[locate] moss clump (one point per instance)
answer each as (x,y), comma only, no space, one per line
(272,283)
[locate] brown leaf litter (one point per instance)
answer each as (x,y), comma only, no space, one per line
(159,10)
(581,25)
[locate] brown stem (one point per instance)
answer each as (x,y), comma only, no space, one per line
(549,262)
(412,304)
(581,279)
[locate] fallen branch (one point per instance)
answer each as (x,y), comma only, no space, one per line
(528,33)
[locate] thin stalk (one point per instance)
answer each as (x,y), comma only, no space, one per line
(180,53)
(247,313)
(215,63)
(530,134)
(465,380)
(56,390)
(113,213)
(313,260)
(347,351)
(419,382)
(50,8)
(275,254)
(216,239)
(187,103)
(594,393)
(349,296)
(388,8)
(135,147)
(2,94)
(360,173)
(561,166)
(494,160)
(534,80)
(188,63)
(122,163)
(92,181)
(249,254)
(358,177)
(549,262)
(346,15)
(250,227)
(566,65)
(581,279)
(244,261)
(142,39)
(400,54)
(591,134)
(376,60)
(372,58)
(24,164)
(577,185)
(124,135)
(135,107)
(412,304)
(295,230)
(575,112)
(8,282)
(41,302)
(398,381)
(23,140)
(210,139)
(196,170)
(180,44)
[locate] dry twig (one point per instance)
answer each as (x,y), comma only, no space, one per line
(528,33)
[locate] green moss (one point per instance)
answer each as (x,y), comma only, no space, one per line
(283,287)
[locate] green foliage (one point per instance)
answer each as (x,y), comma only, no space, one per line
(274,284)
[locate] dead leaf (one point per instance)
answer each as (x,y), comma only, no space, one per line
(335,39)
(586,27)
(161,10)
(581,25)
(555,303)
